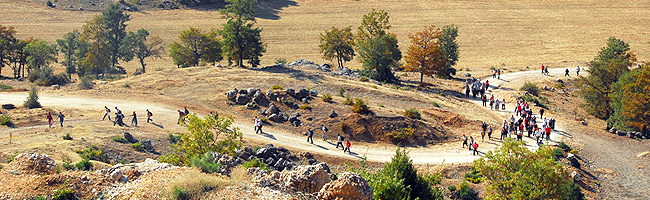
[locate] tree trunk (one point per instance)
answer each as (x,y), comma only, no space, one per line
(421,78)
(142,63)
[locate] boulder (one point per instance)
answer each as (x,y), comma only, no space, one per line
(8,106)
(251,91)
(576,176)
(638,135)
(302,93)
(231,95)
(304,100)
(33,163)
(296,123)
(276,118)
(573,160)
(307,179)
(243,91)
(146,145)
(115,175)
(560,81)
(129,137)
(294,117)
(349,185)
(260,99)
(243,99)
(332,114)
(468,75)
(56,87)
(256,172)
(313,92)
(613,130)
(621,133)
(291,92)
(265,152)
(272,110)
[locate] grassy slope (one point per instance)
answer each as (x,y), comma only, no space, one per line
(491,33)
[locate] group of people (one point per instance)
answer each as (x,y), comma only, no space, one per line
(119,117)
(182,114)
(495,103)
(566,72)
(476,86)
(527,123)
(496,73)
(471,144)
(50,118)
(340,139)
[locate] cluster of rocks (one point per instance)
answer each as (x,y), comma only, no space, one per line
(631,134)
(32,163)
(146,144)
(125,172)
(314,180)
(247,97)
(275,158)
(252,97)
(168,5)
(341,71)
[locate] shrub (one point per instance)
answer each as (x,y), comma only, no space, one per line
(173,139)
(255,163)
(557,153)
(287,101)
(5,87)
(180,194)
(572,191)
(401,134)
(94,153)
(531,88)
(32,99)
(206,163)
(467,193)
(67,166)
(344,126)
(126,85)
(412,113)
(564,146)
(137,146)
(61,78)
(84,165)
(45,77)
(541,101)
(359,106)
(305,107)
(341,92)
(474,176)
(5,120)
(364,79)
(276,87)
(435,104)
(120,139)
(452,188)
(326,98)
(397,175)
(281,61)
(348,101)
(86,83)
(251,106)
(63,194)
(67,137)
(194,185)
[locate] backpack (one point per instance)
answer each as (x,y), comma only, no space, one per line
(325,128)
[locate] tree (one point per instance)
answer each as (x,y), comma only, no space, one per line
(202,137)
(450,49)
(141,46)
(379,56)
(514,172)
(425,54)
(69,46)
(114,21)
(32,99)
(6,38)
(241,41)
(373,24)
(631,100)
(195,46)
(19,56)
(337,43)
(95,49)
(41,53)
(612,61)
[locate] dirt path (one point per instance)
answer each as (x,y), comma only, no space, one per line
(166,116)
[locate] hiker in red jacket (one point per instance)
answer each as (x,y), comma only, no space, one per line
(49,118)
(347,146)
(475,149)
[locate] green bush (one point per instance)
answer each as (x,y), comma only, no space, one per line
(572,191)
(401,134)
(61,78)
(287,101)
(564,146)
(348,101)
(467,193)
(557,153)
(452,188)
(86,83)
(120,139)
(341,92)
(531,88)
(5,120)
(206,163)
(251,106)
(180,194)
(344,126)
(360,106)
(137,146)
(474,176)
(67,165)
(63,194)
(326,98)
(364,79)
(255,163)
(32,99)
(94,153)
(67,137)
(281,61)
(435,104)
(412,113)
(276,87)
(173,139)
(45,77)
(305,107)
(84,165)
(5,87)
(391,182)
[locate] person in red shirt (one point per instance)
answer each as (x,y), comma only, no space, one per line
(49,118)
(475,149)
(347,147)
(548,133)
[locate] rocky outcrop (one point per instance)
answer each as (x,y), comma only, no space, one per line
(130,137)
(349,186)
(332,114)
(305,179)
(33,163)
(119,172)
(276,158)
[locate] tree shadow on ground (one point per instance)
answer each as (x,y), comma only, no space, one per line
(266,9)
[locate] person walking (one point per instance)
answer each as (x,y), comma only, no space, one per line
(541,113)
(467,91)
(484,99)
(61,116)
(566,72)
(471,142)
(347,147)
(310,134)
(464,141)
(324,132)
(186,112)
(475,149)
(542,69)
(259,126)
(107,114)
(499,74)
(496,104)
(578,71)
(256,124)
(538,135)
(117,111)
(548,133)
(503,104)
(489,133)
(180,116)
(339,141)
(134,120)
(49,118)
(149,115)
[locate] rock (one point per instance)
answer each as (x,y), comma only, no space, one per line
(265,152)
(276,118)
(56,87)
(573,160)
(243,91)
(309,119)
(256,172)
(296,123)
(332,114)
(313,92)
(621,133)
(279,165)
(146,145)
(576,176)
(583,123)
(302,93)
(243,99)
(301,62)
(232,95)
(349,186)
(251,91)
(306,179)
(8,106)
(124,179)
(613,130)
(272,110)
(560,81)
(129,137)
(291,92)
(312,161)
(294,117)
(468,75)
(33,163)
(115,175)
(638,135)
(304,100)
(260,99)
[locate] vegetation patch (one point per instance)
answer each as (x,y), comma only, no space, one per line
(474,176)
(255,163)
(32,99)
(173,138)
(276,87)
(119,139)
(94,153)
(67,137)
(360,106)
(206,163)
(6,87)
(137,146)
(412,113)
(305,107)
(531,88)
(5,120)
(327,98)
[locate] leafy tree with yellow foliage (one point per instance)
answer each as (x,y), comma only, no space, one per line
(631,100)
(425,55)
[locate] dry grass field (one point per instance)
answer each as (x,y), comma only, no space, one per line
(491,33)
